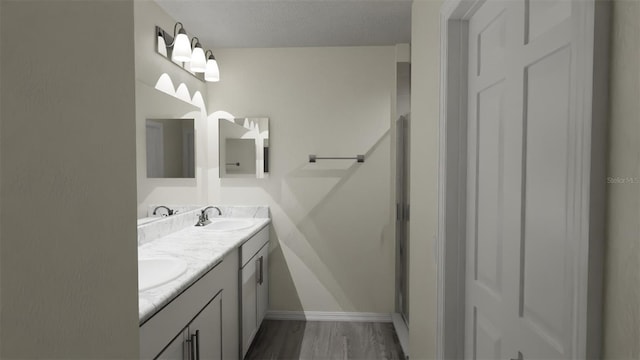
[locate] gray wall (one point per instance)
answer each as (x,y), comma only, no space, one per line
(622,264)
(425,72)
(67,216)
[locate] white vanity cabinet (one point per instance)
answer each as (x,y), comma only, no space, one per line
(201,322)
(254,285)
(202,339)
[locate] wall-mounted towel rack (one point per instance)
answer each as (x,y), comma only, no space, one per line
(358,158)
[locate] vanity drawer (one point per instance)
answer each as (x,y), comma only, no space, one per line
(253,245)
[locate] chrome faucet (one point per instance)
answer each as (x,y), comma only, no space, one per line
(203,219)
(169,211)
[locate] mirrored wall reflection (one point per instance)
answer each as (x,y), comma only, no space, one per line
(170,148)
(244,147)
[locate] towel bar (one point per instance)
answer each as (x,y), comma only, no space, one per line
(358,158)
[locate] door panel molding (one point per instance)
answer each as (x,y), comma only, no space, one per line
(589,29)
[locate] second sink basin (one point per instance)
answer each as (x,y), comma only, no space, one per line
(228,224)
(153,272)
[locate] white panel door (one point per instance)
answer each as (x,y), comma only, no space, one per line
(188,153)
(487,288)
(155,149)
(520,277)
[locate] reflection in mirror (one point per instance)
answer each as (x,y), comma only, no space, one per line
(244,147)
(241,156)
(170,148)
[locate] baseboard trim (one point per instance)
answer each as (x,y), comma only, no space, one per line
(328,316)
(402,330)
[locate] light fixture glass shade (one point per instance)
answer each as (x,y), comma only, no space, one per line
(198,61)
(212,72)
(162,45)
(181,48)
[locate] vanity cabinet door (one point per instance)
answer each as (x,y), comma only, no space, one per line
(202,339)
(249,304)
(206,331)
(177,349)
(262,291)
(255,296)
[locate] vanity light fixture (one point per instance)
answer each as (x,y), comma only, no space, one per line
(198,61)
(191,58)
(181,44)
(212,72)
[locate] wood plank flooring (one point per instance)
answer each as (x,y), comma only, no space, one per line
(325,340)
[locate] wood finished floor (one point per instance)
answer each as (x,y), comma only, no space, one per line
(325,340)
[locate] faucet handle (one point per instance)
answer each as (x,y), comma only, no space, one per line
(201,219)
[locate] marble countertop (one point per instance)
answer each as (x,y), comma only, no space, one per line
(201,250)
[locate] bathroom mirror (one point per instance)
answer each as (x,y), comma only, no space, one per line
(170,148)
(244,147)
(162,39)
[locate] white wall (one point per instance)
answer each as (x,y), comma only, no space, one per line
(68,232)
(164,90)
(622,268)
(425,58)
(154,104)
(333,246)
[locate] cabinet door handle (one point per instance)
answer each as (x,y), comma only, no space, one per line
(197,344)
(258,271)
(261,271)
(194,346)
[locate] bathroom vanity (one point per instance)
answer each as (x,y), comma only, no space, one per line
(215,290)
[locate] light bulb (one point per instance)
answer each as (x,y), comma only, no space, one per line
(198,61)
(212,72)
(181,47)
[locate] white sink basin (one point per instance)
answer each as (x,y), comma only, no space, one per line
(147,220)
(228,225)
(154,272)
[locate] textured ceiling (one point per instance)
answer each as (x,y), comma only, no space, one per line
(293,23)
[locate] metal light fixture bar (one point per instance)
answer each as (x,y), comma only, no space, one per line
(188,54)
